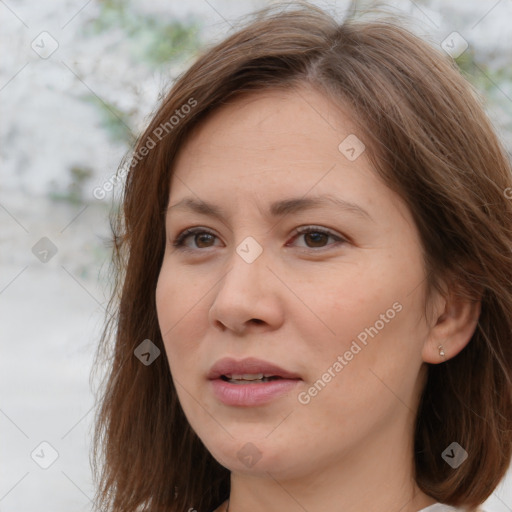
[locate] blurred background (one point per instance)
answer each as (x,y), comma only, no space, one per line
(79,80)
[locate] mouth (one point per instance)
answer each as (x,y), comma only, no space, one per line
(250,382)
(249,378)
(249,369)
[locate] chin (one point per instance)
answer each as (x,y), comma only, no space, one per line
(258,457)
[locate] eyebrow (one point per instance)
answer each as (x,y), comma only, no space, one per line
(277,209)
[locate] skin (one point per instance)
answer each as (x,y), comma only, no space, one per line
(301,304)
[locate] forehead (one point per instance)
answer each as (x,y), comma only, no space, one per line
(271,132)
(253,155)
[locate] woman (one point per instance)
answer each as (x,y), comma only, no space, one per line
(314,270)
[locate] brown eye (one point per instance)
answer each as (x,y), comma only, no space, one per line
(203,238)
(200,236)
(318,237)
(315,238)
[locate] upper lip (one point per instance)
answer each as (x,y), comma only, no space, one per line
(250,365)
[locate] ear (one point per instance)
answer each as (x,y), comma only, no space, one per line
(454,323)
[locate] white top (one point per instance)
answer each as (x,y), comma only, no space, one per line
(441,507)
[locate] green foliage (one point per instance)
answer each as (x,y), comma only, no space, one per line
(150,39)
(494,85)
(170,41)
(74,194)
(480,74)
(114,120)
(472,70)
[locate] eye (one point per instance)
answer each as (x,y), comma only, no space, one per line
(206,236)
(320,235)
(203,237)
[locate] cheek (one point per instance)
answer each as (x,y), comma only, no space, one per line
(354,299)
(182,310)
(355,387)
(174,299)
(165,298)
(171,304)
(371,320)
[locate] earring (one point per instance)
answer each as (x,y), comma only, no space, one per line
(441,350)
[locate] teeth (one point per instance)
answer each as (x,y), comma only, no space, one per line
(247,376)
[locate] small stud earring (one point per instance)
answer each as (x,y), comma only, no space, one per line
(441,350)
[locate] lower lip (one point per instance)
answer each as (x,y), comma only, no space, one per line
(245,395)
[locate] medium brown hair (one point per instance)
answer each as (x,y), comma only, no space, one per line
(428,138)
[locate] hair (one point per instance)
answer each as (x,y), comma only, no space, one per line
(430,141)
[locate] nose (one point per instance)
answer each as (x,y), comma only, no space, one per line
(247,297)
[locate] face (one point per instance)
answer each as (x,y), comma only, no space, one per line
(330,292)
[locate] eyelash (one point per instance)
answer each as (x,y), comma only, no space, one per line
(178,243)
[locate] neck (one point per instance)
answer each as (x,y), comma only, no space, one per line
(374,478)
